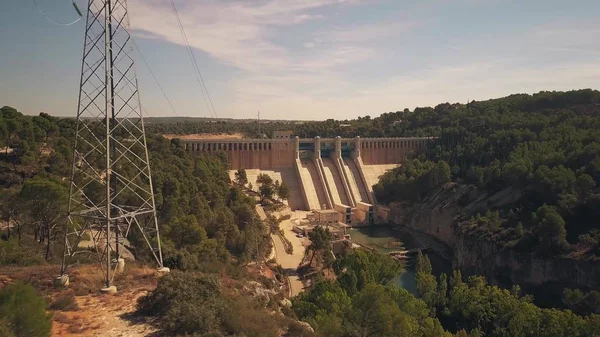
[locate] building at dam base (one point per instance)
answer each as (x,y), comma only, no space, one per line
(322,173)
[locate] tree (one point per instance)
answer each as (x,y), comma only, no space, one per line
(10,211)
(241,178)
(47,201)
(266,191)
(441,173)
(427,286)
(551,230)
(319,240)
(265,186)
(367,267)
(376,314)
(442,292)
(585,184)
(264,179)
(24,311)
(284,191)
(185,231)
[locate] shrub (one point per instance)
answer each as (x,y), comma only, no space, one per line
(64,302)
(186,302)
(193,303)
(24,311)
(5,329)
(12,254)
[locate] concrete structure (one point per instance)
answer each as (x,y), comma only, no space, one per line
(325,217)
(288,134)
(322,173)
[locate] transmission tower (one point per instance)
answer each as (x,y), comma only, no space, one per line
(111,186)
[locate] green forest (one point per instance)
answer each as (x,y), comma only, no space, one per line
(546,146)
(362,302)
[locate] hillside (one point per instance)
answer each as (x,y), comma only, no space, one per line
(526,173)
(518,173)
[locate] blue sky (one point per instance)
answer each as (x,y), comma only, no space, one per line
(312,59)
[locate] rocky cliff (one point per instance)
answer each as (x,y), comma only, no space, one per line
(444,208)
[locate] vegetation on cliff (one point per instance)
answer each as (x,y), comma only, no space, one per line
(485,310)
(546,147)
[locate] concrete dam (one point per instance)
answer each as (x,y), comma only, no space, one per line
(322,173)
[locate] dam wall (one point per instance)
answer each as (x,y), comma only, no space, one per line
(322,173)
(280,153)
(248,153)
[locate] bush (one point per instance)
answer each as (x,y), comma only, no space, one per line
(193,303)
(13,254)
(64,302)
(5,330)
(186,302)
(24,311)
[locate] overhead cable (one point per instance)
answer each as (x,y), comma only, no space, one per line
(199,77)
(57,23)
(154,77)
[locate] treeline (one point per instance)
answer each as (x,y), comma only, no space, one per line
(475,308)
(546,147)
(201,216)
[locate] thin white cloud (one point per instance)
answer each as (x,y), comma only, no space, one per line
(312,81)
(236,33)
(367,33)
(444,84)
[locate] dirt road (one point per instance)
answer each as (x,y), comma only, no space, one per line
(289,262)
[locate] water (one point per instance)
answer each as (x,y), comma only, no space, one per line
(386,239)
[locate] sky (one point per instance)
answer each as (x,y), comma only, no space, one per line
(311,59)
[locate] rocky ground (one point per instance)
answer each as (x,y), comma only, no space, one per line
(96,314)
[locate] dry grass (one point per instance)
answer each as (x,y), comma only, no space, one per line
(64,302)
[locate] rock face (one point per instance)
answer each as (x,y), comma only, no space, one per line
(438,215)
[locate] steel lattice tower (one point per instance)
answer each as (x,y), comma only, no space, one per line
(111,184)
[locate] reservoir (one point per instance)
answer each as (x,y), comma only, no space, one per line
(388,238)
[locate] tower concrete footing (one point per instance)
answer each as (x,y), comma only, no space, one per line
(61,281)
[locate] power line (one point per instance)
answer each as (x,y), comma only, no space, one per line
(154,77)
(132,40)
(199,76)
(57,23)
